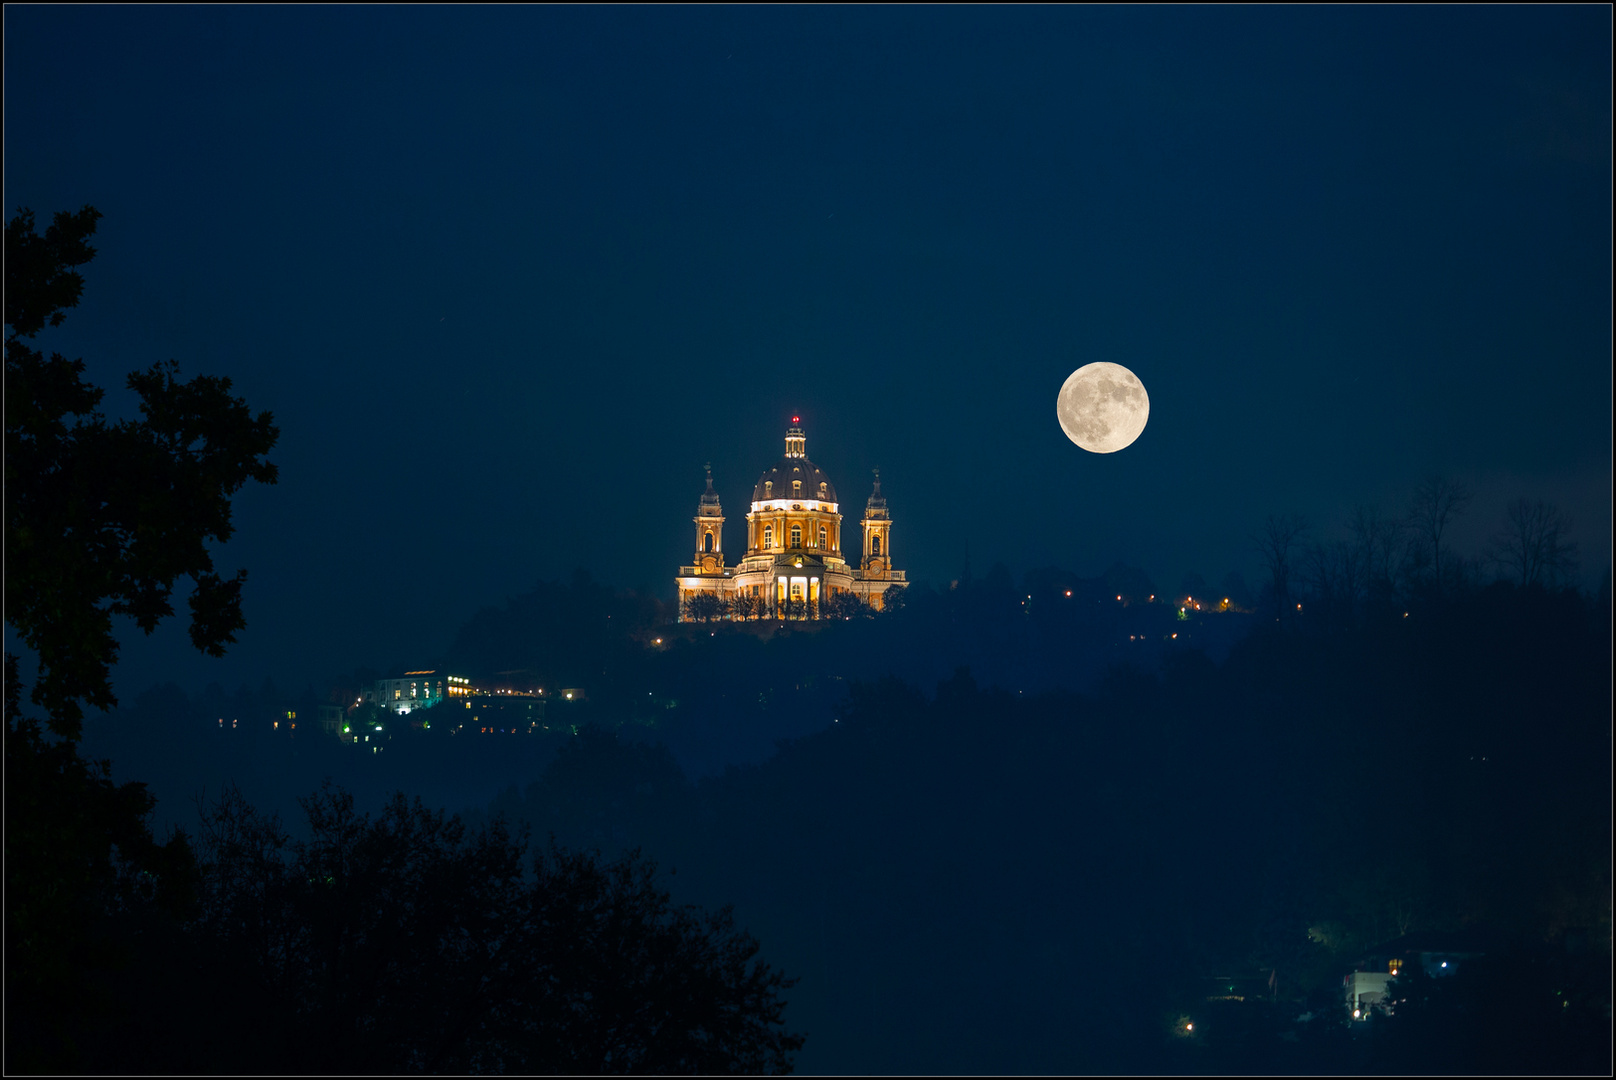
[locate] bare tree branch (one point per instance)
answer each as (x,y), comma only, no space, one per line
(1437,501)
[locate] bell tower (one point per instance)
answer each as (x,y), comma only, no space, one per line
(877,561)
(709,529)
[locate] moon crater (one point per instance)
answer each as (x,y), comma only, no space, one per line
(1102,407)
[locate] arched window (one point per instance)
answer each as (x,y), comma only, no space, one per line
(796,536)
(824,536)
(796,488)
(822,489)
(707,543)
(768,536)
(875,544)
(768,489)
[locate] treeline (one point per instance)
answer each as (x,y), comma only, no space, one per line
(1380,562)
(724,692)
(710,607)
(993,881)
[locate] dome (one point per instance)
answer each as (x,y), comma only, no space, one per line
(794,468)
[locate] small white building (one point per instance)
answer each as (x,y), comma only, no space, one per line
(1367,990)
(417,690)
(1437,955)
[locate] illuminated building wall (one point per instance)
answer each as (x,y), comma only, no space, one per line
(417,690)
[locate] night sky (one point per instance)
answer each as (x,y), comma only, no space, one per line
(507,278)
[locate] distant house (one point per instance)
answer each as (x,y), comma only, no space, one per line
(1437,954)
(498,713)
(417,690)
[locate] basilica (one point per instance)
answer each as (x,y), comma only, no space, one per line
(795,564)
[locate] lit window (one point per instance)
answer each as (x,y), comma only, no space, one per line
(707,543)
(768,536)
(875,547)
(796,487)
(796,536)
(824,536)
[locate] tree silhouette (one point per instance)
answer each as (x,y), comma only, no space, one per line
(1377,539)
(1436,502)
(411,943)
(705,607)
(1276,544)
(102,518)
(846,604)
(1534,547)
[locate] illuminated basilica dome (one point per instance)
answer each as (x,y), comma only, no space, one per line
(795,564)
(794,477)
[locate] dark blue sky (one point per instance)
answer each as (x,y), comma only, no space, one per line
(508,277)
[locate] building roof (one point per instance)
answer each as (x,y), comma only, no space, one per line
(788,469)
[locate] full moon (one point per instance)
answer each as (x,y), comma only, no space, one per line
(1102,407)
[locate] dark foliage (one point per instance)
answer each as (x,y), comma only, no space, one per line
(103,518)
(972,872)
(80,861)
(409,943)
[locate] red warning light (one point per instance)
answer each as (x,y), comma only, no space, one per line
(795,419)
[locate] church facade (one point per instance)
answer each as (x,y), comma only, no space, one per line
(796,563)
